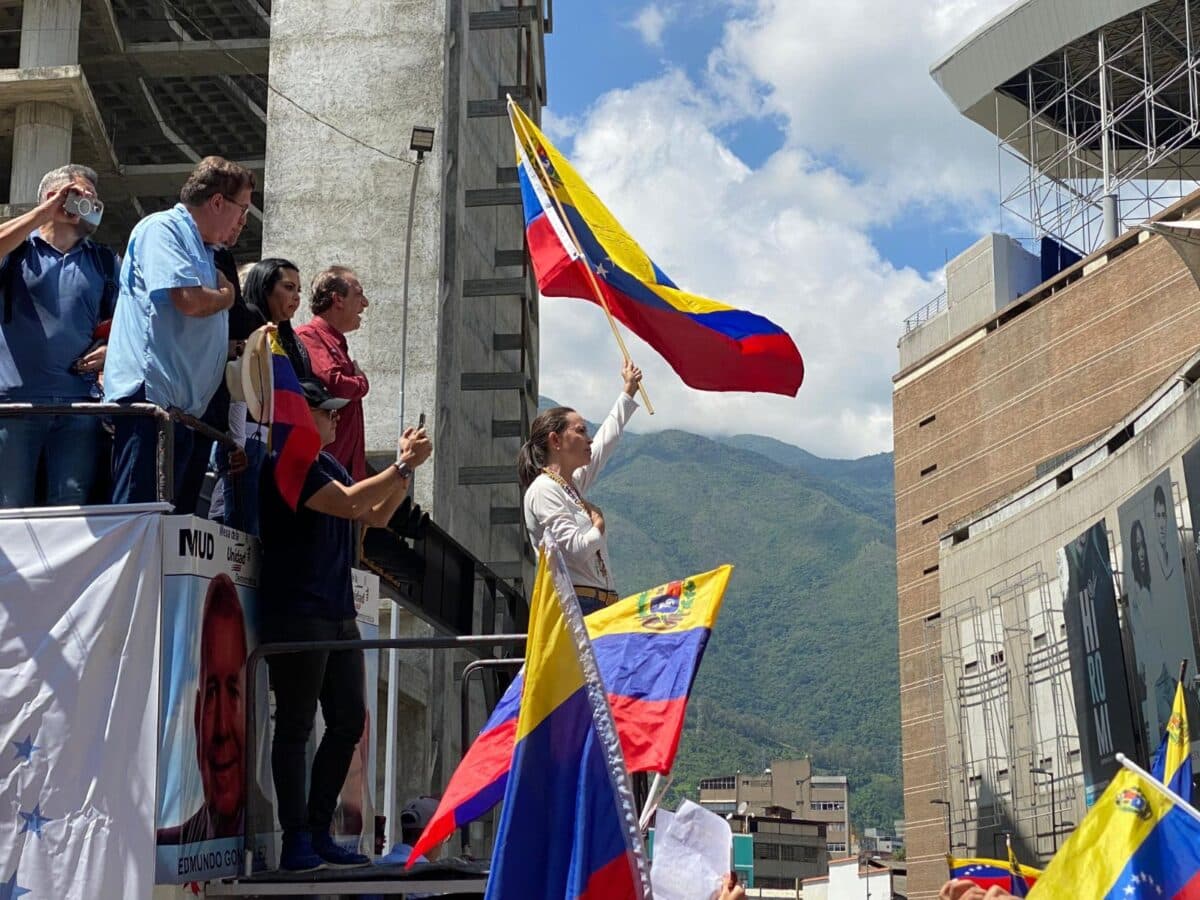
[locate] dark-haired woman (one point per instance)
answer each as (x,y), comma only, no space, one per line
(272,292)
(556,466)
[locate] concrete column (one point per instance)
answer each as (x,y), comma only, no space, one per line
(41,142)
(42,132)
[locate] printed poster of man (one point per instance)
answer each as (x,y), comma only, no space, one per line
(1103,709)
(208,615)
(1159,618)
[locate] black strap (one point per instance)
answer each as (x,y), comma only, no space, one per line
(8,274)
(105,260)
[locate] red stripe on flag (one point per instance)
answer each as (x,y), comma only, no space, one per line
(612,881)
(649,731)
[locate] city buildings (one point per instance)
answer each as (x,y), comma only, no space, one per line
(789,787)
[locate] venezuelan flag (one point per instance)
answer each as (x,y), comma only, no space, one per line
(711,346)
(295,441)
(564,830)
(1019,883)
(1172,764)
(649,647)
(1134,844)
(992,872)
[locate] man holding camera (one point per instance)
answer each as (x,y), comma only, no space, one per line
(170,335)
(57,291)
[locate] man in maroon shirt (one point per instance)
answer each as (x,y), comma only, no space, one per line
(337,303)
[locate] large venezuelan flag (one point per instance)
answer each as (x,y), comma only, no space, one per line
(1134,844)
(649,648)
(295,441)
(711,346)
(1172,764)
(562,832)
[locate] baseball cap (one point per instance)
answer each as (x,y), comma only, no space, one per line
(418,813)
(318,397)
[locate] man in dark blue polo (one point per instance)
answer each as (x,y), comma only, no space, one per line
(57,289)
(306,595)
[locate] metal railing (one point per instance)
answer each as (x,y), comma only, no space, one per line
(925,313)
(435,642)
(164,451)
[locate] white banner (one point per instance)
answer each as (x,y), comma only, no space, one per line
(79,602)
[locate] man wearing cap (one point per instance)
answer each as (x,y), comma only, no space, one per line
(307,596)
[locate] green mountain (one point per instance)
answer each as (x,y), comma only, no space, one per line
(803,660)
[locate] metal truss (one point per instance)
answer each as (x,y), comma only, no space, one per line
(1113,118)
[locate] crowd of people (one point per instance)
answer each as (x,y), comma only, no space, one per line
(161,326)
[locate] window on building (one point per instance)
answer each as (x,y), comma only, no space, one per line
(826,805)
(764,850)
(797,853)
(718,784)
(836,848)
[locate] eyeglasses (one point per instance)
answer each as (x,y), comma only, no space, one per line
(245,207)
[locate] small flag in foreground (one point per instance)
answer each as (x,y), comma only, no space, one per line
(568,829)
(711,346)
(990,872)
(295,441)
(1134,844)
(1018,884)
(649,647)
(1172,763)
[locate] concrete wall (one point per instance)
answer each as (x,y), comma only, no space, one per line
(971,426)
(376,69)
(1024,538)
(981,280)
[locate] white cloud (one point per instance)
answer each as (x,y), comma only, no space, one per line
(788,239)
(650,23)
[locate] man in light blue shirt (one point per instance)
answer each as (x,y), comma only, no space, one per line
(57,289)
(169,339)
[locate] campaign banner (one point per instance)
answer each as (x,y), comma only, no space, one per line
(1102,704)
(1160,621)
(208,628)
(78,648)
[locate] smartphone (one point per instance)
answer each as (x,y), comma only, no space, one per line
(421,421)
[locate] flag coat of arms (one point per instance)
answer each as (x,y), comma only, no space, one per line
(649,647)
(568,829)
(710,345)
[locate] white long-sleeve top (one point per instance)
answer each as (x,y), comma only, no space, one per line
(548,505)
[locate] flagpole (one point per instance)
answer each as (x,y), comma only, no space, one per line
(658,789)
(595,285)
(1159,786)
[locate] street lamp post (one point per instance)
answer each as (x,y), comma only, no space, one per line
(421,143)
(1037,770)
(949,835)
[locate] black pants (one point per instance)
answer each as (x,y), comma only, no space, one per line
(300,680)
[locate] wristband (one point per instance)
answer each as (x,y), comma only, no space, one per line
(403,468)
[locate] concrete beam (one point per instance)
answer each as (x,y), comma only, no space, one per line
(493,287)
(506,474)
(162,180)
(508,258)
(493,197)
(65,86)
(506,428)
(185,59)
(505,515)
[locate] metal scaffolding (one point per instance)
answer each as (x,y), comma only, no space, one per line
(1110,133)
(1010,709)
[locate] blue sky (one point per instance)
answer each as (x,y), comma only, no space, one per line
(595,48)
(800,164)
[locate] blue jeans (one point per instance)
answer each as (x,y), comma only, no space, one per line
(241,491)
(69,444)
(135,450)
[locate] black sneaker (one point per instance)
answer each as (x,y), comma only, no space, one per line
(336,856)
(297,854)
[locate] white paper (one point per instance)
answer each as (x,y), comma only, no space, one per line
(691,853)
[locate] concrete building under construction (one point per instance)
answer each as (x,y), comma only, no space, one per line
(334,106)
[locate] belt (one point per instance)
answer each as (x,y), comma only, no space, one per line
(603,595)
